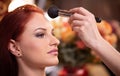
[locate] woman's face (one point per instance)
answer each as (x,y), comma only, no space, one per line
(37,43)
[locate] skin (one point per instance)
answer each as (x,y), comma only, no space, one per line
(83,22)
(33,47)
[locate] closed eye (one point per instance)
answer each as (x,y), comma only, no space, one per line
(40,35)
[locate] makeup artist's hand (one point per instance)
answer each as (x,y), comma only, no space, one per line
(84,23)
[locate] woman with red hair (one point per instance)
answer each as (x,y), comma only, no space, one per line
(27,43)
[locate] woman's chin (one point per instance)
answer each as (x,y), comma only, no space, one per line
(54,62)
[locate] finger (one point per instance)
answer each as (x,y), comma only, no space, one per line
(76,23)
(79,30)
(76,28)
(80,10)
(76,16)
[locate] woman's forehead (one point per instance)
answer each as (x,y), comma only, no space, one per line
(39,21)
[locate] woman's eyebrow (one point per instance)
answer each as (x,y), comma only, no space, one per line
(40,29)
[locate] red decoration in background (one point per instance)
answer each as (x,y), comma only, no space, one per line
(81,72)
(80,44)
(73,72)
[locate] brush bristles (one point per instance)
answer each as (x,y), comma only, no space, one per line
(53,11)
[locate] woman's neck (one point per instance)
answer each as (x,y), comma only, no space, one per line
(25,70)
(29,72)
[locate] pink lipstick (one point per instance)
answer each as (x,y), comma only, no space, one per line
(53,52)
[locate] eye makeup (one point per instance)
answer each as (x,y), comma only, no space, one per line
(40,35)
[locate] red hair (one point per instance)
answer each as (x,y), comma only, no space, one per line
(11,27)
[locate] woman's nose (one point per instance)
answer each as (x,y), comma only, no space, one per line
(54,41)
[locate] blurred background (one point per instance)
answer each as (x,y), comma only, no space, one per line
(75,58)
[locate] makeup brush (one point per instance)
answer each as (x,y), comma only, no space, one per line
(54,11)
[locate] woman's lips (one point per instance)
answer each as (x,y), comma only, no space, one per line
(53,52)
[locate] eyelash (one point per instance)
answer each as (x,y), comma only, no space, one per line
(40,35)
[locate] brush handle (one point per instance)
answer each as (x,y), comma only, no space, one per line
(68,14)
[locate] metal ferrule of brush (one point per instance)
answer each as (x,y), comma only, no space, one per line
(64,13)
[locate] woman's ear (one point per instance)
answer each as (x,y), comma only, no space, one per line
(13,48)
